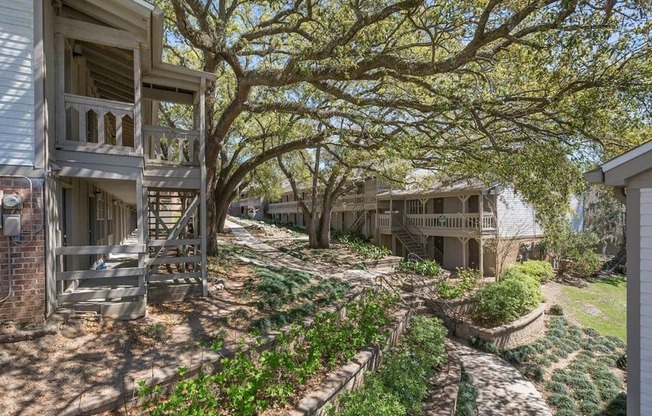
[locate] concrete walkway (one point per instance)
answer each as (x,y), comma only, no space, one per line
(502,390)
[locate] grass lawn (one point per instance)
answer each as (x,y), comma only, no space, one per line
(601,305)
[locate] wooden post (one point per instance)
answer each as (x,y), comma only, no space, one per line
(202,164)
(481,227)
(138,122)
(141,210)
(59,88)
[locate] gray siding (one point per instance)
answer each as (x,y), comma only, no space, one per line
(17,82)
(515,217)
(645,250)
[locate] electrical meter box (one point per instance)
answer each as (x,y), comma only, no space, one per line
(12,201)
(11,225)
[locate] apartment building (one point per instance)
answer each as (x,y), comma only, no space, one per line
(463,224)
(101,203)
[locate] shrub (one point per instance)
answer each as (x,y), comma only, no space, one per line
(358,243)
(540,270)
(400,386)
(621,362)
(506,300)
(426,341)
(584,264)
(372,399)
(556,310)
(404,377)
(468,279)
(428,268)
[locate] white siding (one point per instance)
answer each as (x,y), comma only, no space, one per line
(16,83)
(515,216)
(646,298)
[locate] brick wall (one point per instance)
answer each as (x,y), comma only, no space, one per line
(27,301)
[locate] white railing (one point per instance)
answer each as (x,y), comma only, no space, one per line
(344,200)
(450,221)
(383,220)
(93,122)
(280,206)
(165,145)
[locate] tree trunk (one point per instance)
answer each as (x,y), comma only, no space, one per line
(313,234)
(324,238)
(211,213)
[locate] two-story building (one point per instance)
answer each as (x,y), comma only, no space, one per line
(462,224)
(101,202)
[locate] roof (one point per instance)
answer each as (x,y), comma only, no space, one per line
(458,186)
(617,171)
(146,22)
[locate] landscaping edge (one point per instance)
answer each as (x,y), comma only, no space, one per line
(506,336)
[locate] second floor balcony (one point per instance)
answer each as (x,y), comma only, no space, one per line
(111,127)
(436,224)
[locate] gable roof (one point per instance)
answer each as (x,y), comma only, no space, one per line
(618,170)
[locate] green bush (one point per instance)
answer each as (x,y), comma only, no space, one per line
(507,300)
(426,339)
(372,399)
(428,268)
(556,309)
(400,386)
(540,270)
(358,243)
(583,264)
(405,378)
(468,279)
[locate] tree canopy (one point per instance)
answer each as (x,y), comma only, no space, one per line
(512,90)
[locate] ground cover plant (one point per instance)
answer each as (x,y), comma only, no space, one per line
(399,387)
(359,244)
(285,295)
(576,369)
(467,280)
(251,382)
(429,268)
(467,395)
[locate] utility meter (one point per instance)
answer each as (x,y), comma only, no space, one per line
(12,201)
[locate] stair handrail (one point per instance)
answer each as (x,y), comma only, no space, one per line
(404,228)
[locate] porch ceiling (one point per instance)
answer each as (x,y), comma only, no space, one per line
(123,190)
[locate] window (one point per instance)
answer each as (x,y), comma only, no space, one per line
(415,206)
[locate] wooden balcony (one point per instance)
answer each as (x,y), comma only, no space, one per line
(99,126)
(171,147)
(443,224)
(290,207)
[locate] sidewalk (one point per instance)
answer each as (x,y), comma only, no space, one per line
(502,390)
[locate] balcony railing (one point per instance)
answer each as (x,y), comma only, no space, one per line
(383,221)
(441,221)
(280,206)
(101,125)
(356,199)
(168,146)
(450,221)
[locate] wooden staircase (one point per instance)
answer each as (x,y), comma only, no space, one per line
(360,220)
(410,242)
(174,247)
